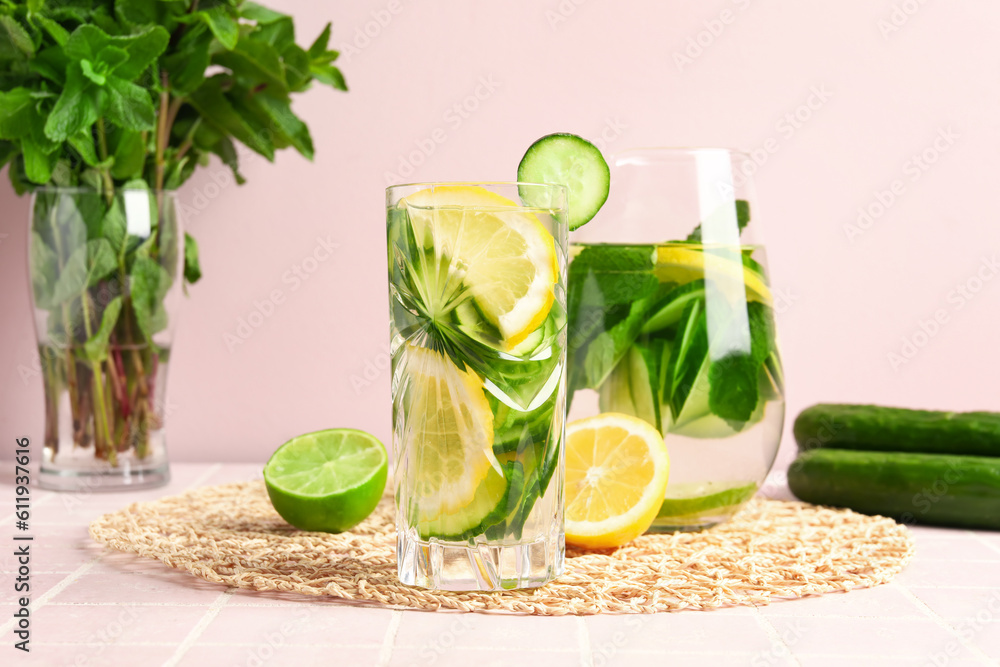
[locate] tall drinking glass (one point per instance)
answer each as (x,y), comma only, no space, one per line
(478,323)
(671,321)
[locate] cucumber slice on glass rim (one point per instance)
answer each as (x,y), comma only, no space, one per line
(566,159)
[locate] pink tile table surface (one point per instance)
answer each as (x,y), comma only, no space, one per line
(93,607)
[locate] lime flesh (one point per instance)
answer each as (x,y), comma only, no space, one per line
(328,481)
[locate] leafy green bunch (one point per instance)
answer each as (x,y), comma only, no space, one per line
(111,103)
(103,92)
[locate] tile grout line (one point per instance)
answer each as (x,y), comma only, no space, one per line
(389,641)
(958,588)
(964,560)
(212,469)
(284,605)
(772,633)
(625,652)
(583,639)
(940,622)
(200,627)
(34,503)
(986,543)
(44,598)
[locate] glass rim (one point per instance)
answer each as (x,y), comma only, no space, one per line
(467,183)
(83,189)
(683,150)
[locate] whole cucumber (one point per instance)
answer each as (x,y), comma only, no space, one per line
(938,489)
(876,428)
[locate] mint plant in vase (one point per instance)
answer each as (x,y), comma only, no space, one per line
(106,108)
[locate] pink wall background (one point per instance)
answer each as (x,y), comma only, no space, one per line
(893,86)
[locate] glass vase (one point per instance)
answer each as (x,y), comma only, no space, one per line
(106,274)
(671,321)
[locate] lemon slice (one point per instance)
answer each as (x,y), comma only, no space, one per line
(674,264)
(505,256)
(616,475)
(447,442)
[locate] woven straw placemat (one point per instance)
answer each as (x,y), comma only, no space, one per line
(231,535)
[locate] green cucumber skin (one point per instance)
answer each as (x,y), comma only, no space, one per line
(936,489)
(876,428)
(559,142)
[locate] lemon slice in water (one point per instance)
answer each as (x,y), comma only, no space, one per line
(504,255)
(447,443)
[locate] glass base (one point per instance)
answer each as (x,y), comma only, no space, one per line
(122,478)
(459,566)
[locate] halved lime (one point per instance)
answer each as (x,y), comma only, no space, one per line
(697,499)
(327,481)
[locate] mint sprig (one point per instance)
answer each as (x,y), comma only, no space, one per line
(118,95)
(617,304)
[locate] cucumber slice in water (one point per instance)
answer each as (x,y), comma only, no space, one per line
(632,387)
(688,503)
(569,160)
(676,301)
(489,506)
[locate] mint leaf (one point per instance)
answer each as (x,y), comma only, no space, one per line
(761,330)
(734,387)
(83,143)
(609,346)
(129,105)
(129,154)
(77,107)
(85,42)
(114,228)
(319,47)
(277,33)
(186,66)
(17,113)
(111,58)
(226,151)
(602,275)
(602,281)
(671,307)
(287,123)
(93,72)
(742,220)
(254,62)
(145,12)
(192,268)
(260,14)
(296,67)
(58,33)
(217,110)
(148,286)
(95,348)
(143,49)
(38,164)
(85,266)
(14,39)
(222,24)
(329,75)
(686,358)
(50,63)
(43,270)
